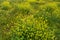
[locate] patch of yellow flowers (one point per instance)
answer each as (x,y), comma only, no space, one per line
(23,26)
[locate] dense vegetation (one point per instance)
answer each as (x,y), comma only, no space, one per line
(29,20)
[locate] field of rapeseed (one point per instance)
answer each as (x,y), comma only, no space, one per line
(29,19)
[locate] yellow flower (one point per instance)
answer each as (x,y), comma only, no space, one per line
(23,5)
(31,0)
(6,3)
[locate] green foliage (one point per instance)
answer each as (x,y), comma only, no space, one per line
(29,20)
